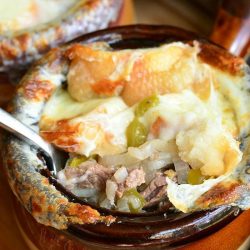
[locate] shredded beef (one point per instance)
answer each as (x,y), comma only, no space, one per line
(154,187)
(135,178)
(90,174)
(156,195)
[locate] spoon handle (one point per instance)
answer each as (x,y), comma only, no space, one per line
(16,127)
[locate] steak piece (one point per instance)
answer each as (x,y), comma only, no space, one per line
(89,175)
(155,186)
(156,194)
(135,178)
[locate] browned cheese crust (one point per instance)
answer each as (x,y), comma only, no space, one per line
(221,59)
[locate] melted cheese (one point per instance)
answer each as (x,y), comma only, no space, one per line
(92,127)
(99,127)
(22,14)
(202,111)
(197,127)
(134,74)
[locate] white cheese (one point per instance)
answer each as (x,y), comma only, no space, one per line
(197,127)
(22,14)
(103,122)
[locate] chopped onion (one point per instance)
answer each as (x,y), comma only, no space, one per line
(121,174)
(181,169)
(150,148)
(153,149)
(156,164)
(122,205)
(111,188)
(84,192)
(117,160)
(106,204)
(141,152)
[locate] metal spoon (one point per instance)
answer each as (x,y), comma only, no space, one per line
(55,158)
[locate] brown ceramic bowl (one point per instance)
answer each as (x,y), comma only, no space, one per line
(22,47)
(159,230)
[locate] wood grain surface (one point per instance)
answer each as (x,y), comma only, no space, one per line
(180,13)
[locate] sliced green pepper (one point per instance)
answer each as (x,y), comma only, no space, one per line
(140,201)
(76,161)
(146,104)
(136,133)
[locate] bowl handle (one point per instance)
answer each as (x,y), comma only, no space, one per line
(232,25)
